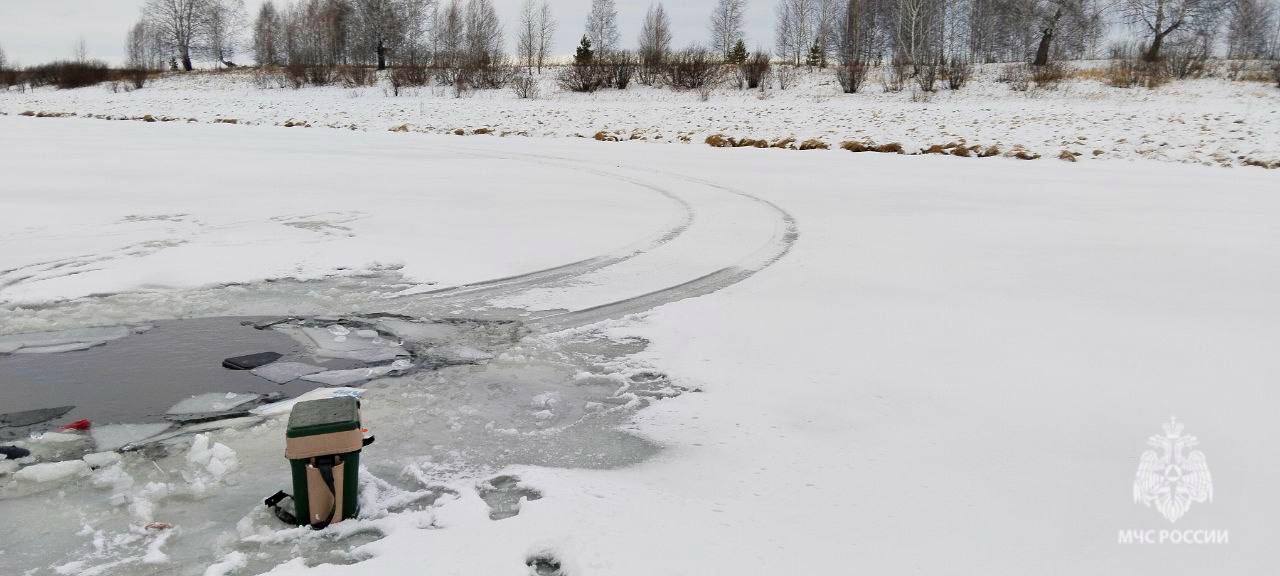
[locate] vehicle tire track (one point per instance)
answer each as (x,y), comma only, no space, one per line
(785,233)
(495,288)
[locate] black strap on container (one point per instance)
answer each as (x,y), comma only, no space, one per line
(325,465)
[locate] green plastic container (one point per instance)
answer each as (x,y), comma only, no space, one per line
(340,419)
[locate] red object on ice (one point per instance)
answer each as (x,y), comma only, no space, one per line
(77,425)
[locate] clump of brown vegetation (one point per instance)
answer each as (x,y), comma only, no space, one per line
(814,144)
(605,137)
(1133,72)
(751,143)
(869,146)
(989,152)
(1021,154)
(719,141)
(1067,156)
(482,131)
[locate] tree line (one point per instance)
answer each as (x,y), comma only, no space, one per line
(469,33)
(812,32)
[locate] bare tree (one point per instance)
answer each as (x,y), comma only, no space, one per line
(379,29)
(415,41)
(794,29)
(1249,26)
(1160,18)
(223,26)
(826,29)
(483,34)
(81,50)
(726,25)
(546,32)
(1071,24)
(917,27)
(449,30)
(861,32)
(527,39)
(136,45)
(602,26)
(655,37)
(268,36)
(177,24)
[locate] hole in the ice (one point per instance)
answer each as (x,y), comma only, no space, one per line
(504,495)
(544,564)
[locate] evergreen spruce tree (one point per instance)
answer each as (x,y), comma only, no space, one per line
(583,55)
(816,56)
(738,54)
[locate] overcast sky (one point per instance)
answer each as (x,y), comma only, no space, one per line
(34,31)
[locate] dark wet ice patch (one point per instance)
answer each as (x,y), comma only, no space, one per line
(504,495)
(137,378)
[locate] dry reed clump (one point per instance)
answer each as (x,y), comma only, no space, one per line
(814,144)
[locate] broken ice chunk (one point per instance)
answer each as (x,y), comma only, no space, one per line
(351,346)
(212,405)
(56,348)
(30,417)
(357,375)
(452,354)
(229,423)
(52,471)
(8,467)
(420,331)
(115,436)
(61,340)
(283,372)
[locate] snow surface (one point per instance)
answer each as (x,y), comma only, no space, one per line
(1207,121)
(952,369)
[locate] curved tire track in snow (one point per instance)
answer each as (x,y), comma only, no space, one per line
(784,235)
(498,287)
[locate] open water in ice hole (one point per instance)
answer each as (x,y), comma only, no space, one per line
(137,378)
(561,402)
